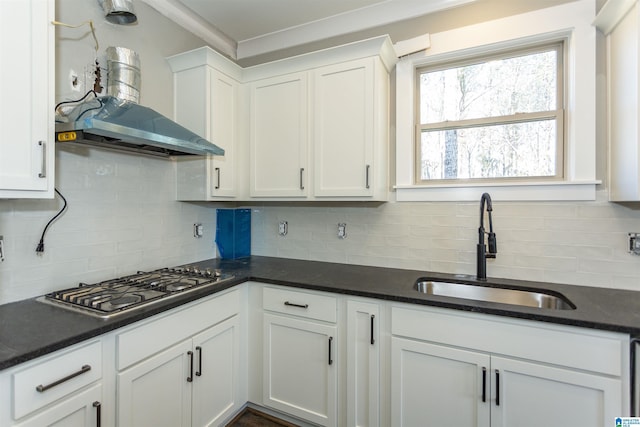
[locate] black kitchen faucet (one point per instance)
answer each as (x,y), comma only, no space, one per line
(482,252)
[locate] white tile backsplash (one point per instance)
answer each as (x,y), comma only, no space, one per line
(581,243)
(122,217)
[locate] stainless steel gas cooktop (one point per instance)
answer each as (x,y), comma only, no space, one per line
(111,297)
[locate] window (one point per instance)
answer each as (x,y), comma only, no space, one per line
(494,117)
(575,119)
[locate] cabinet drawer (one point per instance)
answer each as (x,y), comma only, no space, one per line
(298,303)
(160,333)
(55,377)
(574,347)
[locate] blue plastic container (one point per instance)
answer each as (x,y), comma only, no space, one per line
(233,233)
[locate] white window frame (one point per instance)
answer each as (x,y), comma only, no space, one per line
(571,22)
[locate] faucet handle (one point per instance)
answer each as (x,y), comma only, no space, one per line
(493,244)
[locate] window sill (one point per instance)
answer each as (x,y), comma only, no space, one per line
(530,191)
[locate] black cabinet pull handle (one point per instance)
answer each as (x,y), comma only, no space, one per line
(218,175)
(296,305)
(497,388)
(42,388)
(199,371)
(373,340)
(484,384)
(301,180)
(98,407)
(330,359)
(190,377)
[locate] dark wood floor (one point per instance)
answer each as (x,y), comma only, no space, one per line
(250,417)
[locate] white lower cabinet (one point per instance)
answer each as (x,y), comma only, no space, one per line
(300,355)
(564,397)
(437,385)
(62,389)
(215,385)
(174,373)
(363,364)
(81,410)
(325,359)
(479,372)
(191,383)
(155,392)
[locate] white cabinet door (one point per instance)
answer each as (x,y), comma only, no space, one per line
(156,392)
(279,137)
(26,99)
(363,364)
(620,22)
(534,395)
(299,368)
(81,410)
(217,373)
(434,385)
(222,171)
(344,129)
(206,103)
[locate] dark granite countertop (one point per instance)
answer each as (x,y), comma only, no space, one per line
(29,329)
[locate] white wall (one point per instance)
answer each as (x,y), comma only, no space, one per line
(122,213)
(581,243)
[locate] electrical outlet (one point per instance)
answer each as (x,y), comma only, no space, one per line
(342,230)
(283,228)
(198,230)
(74,82)
(634,243)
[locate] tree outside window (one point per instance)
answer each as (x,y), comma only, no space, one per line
(498,117)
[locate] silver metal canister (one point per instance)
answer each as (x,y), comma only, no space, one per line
(123,74)
(119,11)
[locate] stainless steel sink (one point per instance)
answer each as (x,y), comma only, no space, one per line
(491,294)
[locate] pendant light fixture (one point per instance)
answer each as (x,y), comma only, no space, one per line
(119,11)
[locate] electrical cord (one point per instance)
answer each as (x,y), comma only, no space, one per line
(90,109)
(89,22)
(76,100)
(40,247)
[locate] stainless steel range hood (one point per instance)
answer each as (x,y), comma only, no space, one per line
(114,123)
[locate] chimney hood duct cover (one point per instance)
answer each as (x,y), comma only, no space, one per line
(119,11)
(114,123)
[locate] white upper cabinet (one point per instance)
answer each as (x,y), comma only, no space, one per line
(350,134)
(309,127)
(27,154)
(279,137)
(333,104)
(619,21)
(206,102)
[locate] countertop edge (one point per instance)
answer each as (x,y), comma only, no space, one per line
(598,308)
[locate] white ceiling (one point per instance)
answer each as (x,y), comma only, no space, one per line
(248,28)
